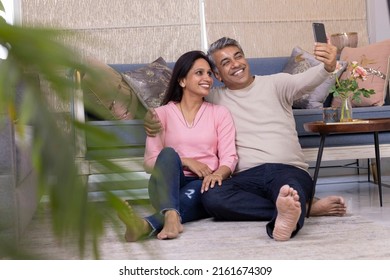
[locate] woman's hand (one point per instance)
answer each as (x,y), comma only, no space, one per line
(210,180)
(200,169)
(223,172)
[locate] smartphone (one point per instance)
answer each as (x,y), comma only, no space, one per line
(319,32)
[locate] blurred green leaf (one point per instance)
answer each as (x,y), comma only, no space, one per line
(34,55)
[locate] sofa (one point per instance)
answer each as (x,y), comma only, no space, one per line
(18,183)
(128,151)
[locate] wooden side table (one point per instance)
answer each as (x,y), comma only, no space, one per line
(356,126)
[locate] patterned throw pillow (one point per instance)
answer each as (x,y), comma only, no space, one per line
(375,58)
(150,82)
(299,62)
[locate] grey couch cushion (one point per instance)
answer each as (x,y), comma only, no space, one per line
(301,61)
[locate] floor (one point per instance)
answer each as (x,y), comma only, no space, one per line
(362,197)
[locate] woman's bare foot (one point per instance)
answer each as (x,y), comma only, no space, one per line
(172,226)
(289,210)
(136,227)
(328,206)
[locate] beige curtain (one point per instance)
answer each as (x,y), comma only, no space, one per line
(273,28)
(121,31)
(139,31)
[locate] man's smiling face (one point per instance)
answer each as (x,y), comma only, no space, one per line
(233,68)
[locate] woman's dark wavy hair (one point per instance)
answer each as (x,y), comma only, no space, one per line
(180,70)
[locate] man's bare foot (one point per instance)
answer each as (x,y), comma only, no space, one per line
(289,210)
(136,227)
(328,206)
(172,226)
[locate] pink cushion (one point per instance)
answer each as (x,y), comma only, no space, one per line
(374,56)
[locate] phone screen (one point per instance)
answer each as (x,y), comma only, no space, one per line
(319,32)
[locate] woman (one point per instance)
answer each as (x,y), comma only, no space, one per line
(194,151)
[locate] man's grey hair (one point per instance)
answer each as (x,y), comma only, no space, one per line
(220,44)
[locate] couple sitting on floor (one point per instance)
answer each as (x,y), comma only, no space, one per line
(232,152)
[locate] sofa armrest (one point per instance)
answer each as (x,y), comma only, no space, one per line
(18,184)
(7,147)
(8,204)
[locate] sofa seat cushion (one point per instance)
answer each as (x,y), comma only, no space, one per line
(311,140)
(129,135)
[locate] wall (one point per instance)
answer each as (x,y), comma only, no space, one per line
(378,20)
(139,31)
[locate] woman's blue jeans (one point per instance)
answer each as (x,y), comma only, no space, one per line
(170,189)
(251,195)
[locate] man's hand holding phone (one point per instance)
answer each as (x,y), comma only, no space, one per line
(324,51)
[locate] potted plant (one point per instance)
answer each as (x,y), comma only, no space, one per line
(33,51)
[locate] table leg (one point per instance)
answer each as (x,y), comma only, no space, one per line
(378,166)
(316,171)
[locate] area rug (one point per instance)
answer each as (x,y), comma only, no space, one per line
(322,238)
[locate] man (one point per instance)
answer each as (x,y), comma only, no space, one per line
(271,182)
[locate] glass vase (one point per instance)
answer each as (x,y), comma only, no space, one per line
(346,110)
